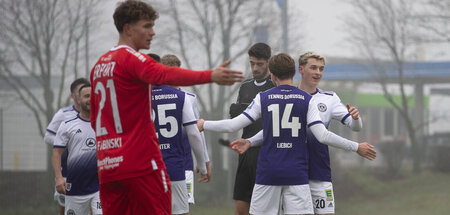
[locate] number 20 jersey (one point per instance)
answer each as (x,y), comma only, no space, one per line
(283,158)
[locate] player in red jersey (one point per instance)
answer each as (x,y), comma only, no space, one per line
(133,178)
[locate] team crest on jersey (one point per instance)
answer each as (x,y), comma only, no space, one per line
(90,142)
(69,186)
(70,212)
(322,107)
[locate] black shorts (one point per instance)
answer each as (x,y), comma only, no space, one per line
(246,175)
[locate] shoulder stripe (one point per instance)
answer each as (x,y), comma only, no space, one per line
(191,94)
(71,119)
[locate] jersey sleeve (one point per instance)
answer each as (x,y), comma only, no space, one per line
(148,70)
(320,132)
(313,115)
(62,137)
(244,119)
(188,111)
(56,122)
(193,98)
(340,113)
(257,139)
(53,126)
(253,111)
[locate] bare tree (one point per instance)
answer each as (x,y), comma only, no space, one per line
(205,33)
(435,19)
(383,31)
(42,44)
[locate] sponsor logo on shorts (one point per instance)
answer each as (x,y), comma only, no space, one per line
(188,186)
(329,194)
(330,205)
(70,212)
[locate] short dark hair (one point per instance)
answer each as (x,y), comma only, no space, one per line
(131,11)
(282,66)
(155,57)
(260,51)
(78,82)
(84,86)
(170,60)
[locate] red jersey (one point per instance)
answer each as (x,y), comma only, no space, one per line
(127,145)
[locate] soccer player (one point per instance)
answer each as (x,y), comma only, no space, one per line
(259,55)
(77,135)
(172,60)
(311,67)
(133,178)
(61,115)
(282,171)
(172,112)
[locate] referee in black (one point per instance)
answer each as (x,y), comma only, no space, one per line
(259,55)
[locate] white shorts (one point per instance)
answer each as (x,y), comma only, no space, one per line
(180,203)
(268,199)
(60,198)
(190,185)
(322,196)
(83,204)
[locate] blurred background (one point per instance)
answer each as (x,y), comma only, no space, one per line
(389,58)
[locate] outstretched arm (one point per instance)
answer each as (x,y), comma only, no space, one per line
(226,125)
(326,137)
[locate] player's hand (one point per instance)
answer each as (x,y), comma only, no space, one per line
(366,150)
(224,76)
(240,145)
(208,171)
(203,177)
(353,112)
(60,185)
(200,123)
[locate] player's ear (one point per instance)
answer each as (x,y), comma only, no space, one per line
(126,29)
(300,69)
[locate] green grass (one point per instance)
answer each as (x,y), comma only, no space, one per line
(424,193)
(357,191)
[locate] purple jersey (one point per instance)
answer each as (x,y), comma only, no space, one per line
(283,158)
(168,104)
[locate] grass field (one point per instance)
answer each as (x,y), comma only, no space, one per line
(425,193)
